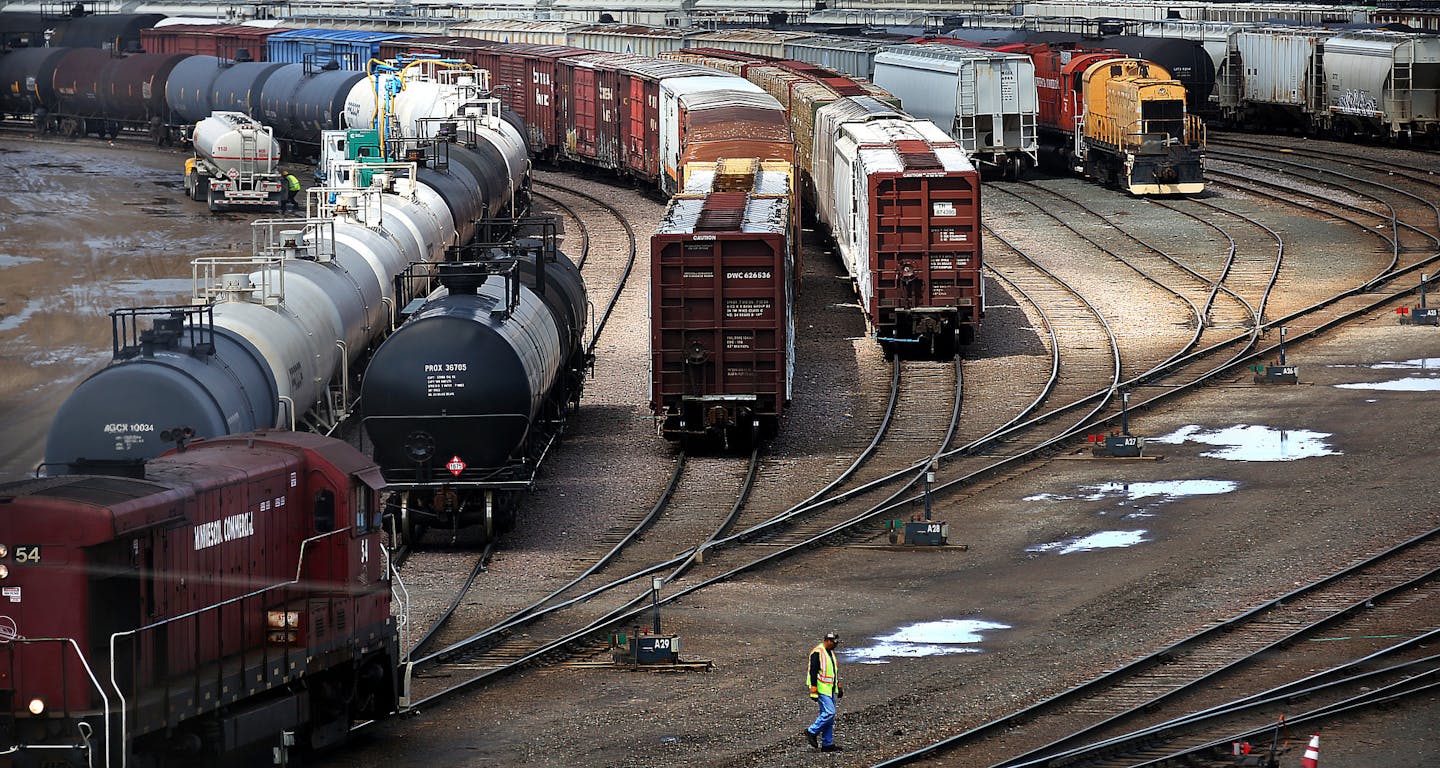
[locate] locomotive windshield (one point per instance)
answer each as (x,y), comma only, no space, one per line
(1163,117)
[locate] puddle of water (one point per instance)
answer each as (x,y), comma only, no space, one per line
(1167,489)
(1100,540)
(13,321)
(931,638)
(1253,442)
(1420,363)
(6,260)
(1397,385)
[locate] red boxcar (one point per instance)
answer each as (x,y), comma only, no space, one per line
(1058,85)
(722,325)
(640,107)
(587,109)
(525,77)
(241,585)
(227,41)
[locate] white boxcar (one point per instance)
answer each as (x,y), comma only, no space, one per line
(846,55)
(985,99)
(519,31)
(628,38)
(1280,66)
(764,42)
(1383,81)
(853,143)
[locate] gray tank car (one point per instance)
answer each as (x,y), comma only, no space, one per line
(272,344)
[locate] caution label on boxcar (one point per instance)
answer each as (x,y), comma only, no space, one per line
(742,308)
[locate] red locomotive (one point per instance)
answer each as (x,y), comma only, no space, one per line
(235,597)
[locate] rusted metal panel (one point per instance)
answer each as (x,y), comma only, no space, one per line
(588,103)
(722,321)
(734,131)
(226,41)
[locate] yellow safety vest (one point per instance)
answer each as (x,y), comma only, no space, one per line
(828,676)
(292,183)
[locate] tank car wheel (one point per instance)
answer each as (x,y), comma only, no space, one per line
(1017,169)
(72,128)
(410,531)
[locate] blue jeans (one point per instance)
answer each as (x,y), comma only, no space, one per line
(824,725)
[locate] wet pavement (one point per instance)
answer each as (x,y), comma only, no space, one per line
(86,228)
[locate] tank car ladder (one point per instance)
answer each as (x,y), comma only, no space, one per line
(249,147)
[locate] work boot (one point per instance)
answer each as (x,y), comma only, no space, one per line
(814,741)
(832,748)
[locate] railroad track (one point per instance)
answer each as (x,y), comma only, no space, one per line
(757,546)
(607,267)
(1183,697)
(619,243)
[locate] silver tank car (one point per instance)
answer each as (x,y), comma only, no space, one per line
(460,402)
(426,100)
(271,338)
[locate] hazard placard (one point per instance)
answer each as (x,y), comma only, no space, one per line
(455,465)
(233,174)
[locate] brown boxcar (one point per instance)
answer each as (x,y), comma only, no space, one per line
(524,76)
(588,109)
(226,41)
(722,324)
(640,108)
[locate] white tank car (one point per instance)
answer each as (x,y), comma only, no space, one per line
(293,316)
(428,99)
(290,319)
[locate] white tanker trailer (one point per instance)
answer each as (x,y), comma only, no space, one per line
(236,162)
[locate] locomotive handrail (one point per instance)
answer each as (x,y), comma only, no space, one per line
(104,699)
(114,638)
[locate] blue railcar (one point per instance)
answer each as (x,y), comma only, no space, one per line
(344,48)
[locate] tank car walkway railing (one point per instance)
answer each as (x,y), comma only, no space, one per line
(160,701)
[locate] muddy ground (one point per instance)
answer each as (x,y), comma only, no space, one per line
(86,229)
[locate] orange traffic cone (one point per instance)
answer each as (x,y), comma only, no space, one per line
(1312,753)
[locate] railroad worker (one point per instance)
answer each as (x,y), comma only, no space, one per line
(292,188)
(823,678)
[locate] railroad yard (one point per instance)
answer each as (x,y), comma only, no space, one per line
(1061,568)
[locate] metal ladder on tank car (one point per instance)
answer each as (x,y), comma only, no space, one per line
(249,146)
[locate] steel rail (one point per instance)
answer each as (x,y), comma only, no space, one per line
(1159,656)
